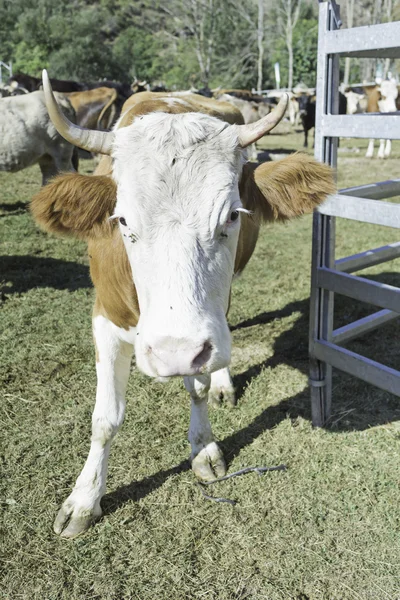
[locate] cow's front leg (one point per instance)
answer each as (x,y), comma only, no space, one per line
(388,148)
(381,151)
(207,459)
(370,149)
(113,359)
(221,388)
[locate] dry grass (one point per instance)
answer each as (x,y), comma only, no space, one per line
(328,528)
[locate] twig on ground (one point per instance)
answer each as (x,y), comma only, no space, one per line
(259,470)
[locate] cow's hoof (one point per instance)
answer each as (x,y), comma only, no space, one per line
(71,522)
(209,463)
(218,394)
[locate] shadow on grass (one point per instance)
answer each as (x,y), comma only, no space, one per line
(350,411)
(29,272)
(16,208)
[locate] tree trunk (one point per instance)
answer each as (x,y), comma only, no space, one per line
(260,37)
(349,14)
(291,10)
(389,17)
(290,56)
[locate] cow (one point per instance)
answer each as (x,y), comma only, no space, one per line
(294,111)
(96,108)
(251,112)
(28,82)
(356,102)
(210,106)
(139,86)
(381,98)
(27,136)
(65,86)
(307,112)
(172,214)
(32,84)
(236,93)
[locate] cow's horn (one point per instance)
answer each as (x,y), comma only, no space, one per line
(87,139)
(250,133)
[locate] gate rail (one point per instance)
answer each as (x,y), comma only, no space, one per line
(361,203)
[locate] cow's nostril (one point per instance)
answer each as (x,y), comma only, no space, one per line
(203,356)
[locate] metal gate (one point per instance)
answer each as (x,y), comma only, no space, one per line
(364,203)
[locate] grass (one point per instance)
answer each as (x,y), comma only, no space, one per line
(327,528)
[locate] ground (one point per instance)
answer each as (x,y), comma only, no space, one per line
(327,528)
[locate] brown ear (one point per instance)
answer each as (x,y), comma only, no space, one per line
(76,205)
(285,188)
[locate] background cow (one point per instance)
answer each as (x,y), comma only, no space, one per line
(307,106)
(28,136)
(381,98)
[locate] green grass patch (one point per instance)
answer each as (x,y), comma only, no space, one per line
(327,528)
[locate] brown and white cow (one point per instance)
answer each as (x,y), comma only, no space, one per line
(177,216)
(95,109)
(381,98)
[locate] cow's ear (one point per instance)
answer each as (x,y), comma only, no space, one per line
(76,205)
(286,188)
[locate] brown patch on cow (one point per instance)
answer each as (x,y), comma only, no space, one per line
(94,108)
(373,96)
(288,188)
(111,273)
(278,191)
(76,205)
(108,114)
(148,102)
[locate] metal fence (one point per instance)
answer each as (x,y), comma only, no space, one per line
(363,203)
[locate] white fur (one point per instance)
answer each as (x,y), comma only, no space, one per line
(207,459)
(221,387)
(113,365)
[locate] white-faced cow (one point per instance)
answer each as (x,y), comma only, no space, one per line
(381,98)
(177,216)
(27,136)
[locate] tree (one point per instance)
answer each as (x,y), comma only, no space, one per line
(350,16)
(260,43)
(289,11)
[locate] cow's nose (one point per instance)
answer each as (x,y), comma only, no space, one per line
(170,356)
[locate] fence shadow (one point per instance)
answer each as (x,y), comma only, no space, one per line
(16,208)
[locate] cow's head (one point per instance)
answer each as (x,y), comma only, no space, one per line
(178,209)
(304,101)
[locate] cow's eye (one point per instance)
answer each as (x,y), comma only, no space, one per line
(122,221)
(234,216)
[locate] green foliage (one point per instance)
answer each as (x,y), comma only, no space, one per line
(305,41)
(30,59)
(132,53)
(152,40)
